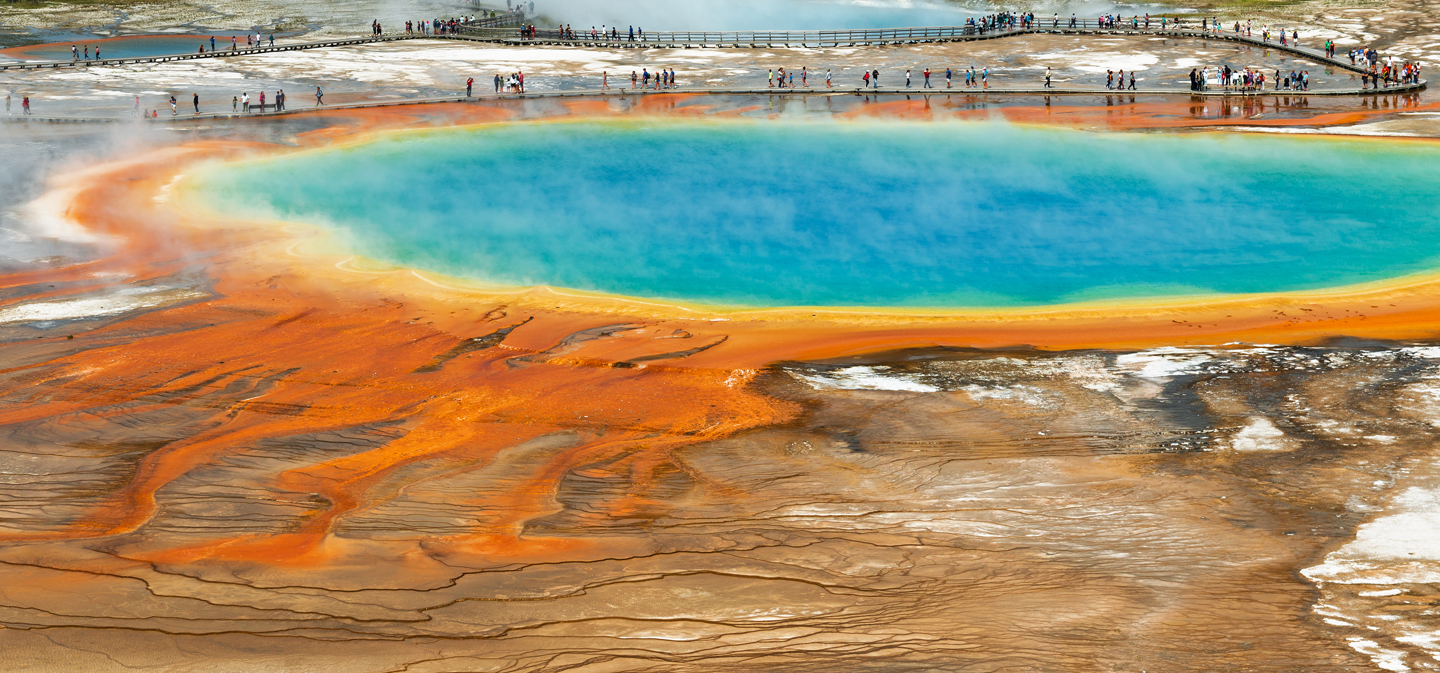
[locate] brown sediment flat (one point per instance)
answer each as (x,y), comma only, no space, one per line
(366,457)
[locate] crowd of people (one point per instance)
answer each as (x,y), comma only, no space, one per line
(512,83)
(435,26)
(1247,79)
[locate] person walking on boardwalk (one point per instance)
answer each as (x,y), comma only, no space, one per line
(1132,80)
(907,78)
(469,86)
(866,79)
(604,80)
(319,97)
(1047,78)
(948,82)
(262,100)
(875,78)
(985,76)
(196,100)
(74,53)
(212,43)
(770,79)
(173,111)
(25,105)
(827,78)
(805,76)
(927,78)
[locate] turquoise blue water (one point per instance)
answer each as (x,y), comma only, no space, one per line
(880,214)
(134,47)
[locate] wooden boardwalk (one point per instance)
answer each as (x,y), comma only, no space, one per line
(248,51)
(786,39)
(310,108)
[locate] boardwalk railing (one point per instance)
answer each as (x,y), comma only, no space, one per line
(980,30)
(505,20)
(868,36)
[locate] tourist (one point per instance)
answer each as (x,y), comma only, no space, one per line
(907,78)
(97,52)
(1109,79)
(770,79)
(173,111)
(1047,78)
(74,53)
(927,78)
(985,76)
(875,78)
(25,105)
(792,80)
(805,76)
(280,99)
(212,43)
(1132,80)
(319,97)
(134,112)
(827,78)
(469,86)
(645,78)
(234,104)
(245,102)
(634,79)
(262,101)
(948,83)
(197,102)
(604,80)
(866,79)
(497,82)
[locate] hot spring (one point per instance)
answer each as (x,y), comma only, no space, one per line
(743,213)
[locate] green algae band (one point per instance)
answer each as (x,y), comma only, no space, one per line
(879,214)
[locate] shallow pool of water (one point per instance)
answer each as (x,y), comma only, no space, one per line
(873,213)
(133,46)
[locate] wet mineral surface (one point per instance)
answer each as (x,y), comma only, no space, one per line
(214,458)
